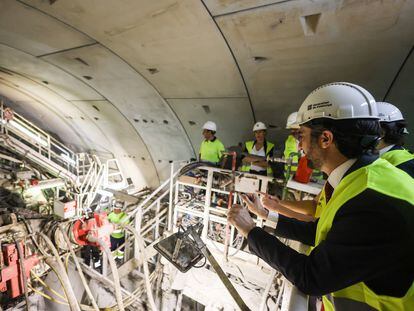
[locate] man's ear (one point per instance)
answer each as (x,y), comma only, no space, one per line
(326,139)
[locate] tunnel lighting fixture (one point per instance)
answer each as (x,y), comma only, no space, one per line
(67,159)
(29,133)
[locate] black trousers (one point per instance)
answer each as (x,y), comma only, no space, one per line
(115,243)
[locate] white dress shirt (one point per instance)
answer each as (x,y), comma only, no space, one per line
(385,149)
(334,179)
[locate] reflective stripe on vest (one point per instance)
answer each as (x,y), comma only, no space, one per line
(397,157)
(117,219)
(383,177)
(291,146)
(249,147)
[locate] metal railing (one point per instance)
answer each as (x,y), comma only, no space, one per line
(84,172)
(37,141)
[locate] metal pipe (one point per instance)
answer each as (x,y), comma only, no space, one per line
(23,271)
(170,203)
(230,202)
(266,291)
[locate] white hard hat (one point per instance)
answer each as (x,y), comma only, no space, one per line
(210,125)
(388,112)
(259,126)
(291,121)
(338,101)
(119,205)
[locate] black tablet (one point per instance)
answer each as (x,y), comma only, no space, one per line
(187,255)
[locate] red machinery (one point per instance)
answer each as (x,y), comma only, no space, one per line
(97,227)
(10,269)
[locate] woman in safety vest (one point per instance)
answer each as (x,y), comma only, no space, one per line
(258,147)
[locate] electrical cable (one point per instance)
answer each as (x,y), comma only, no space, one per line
(67,262)
(47,296)
(62,275)
(78,267)
(204,263)
(115,275)
(47,286)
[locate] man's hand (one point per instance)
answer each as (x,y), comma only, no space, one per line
(254,206)
(270,202)
(239,217)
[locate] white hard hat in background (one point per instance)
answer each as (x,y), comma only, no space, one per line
(259,126)
(119,205)
(338,101)
(210,125)
(291,121)
(388,112)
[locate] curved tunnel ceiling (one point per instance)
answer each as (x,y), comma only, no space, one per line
(137,80)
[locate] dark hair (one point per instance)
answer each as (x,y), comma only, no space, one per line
(394,132)
(352,137)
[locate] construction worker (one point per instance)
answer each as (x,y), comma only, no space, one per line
(211,148)
(258,147)
(364,238)
(394,130)
(291,143)
(118,217)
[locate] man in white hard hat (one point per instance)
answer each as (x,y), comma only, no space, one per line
(291,143)
(211,148)
(118,217)
(393,133)
(258,147)
(364,239)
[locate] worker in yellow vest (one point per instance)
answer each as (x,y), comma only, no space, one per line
(211,148)
(118,217)
(364,239)
(394,131)
(258,147)
(291,143)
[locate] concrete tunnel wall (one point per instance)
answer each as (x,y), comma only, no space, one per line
(138,80)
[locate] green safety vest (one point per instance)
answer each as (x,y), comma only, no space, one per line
(380,176)
(249,147)
(291,146)
(117,219)
(397,157)
(210,150)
